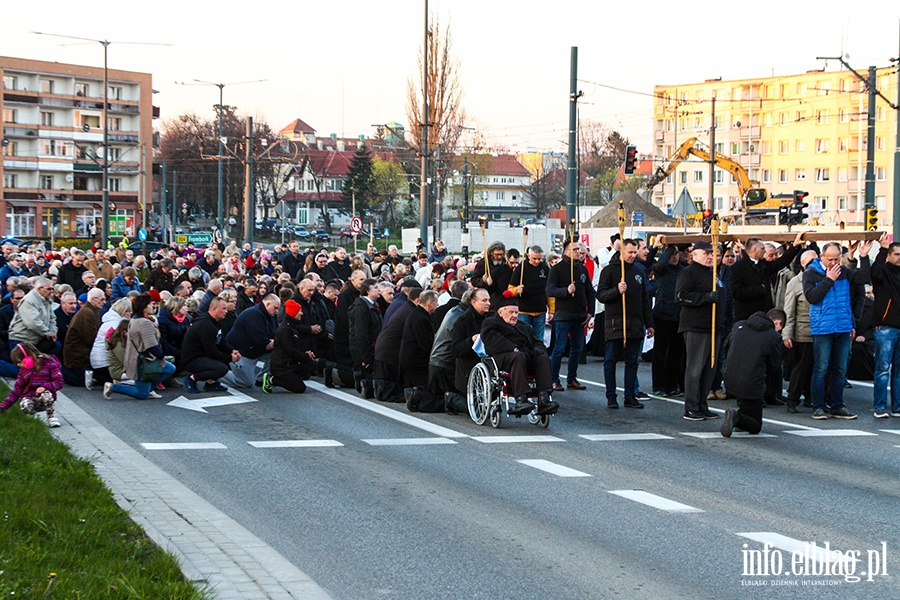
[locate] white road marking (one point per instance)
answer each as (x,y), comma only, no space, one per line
(297,444)
(711,435)
(868,384)
(513,439)
(624,437)
(409,441)
(655,501)
(831,433)
(555,469)
(798,547)
(387,412)
(184,446)
(199,404)
(897,431)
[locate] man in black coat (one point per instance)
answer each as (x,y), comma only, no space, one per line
(160,278)
(71,272)
(253,335)
(415,350)
(465,333)
(751,277)
(457,289)
(572,293)
(496,254)
(293,261)
(387,352)
(365,325)
(512,346)
(343,362)
(638,319)
(205,352)
(753,369)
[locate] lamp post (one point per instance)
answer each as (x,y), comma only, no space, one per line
(105,44)
(220,217)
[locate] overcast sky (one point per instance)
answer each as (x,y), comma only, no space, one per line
(342,66)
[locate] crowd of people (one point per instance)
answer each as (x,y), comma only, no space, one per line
(409,329)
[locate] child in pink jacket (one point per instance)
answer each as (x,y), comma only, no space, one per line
(37,383)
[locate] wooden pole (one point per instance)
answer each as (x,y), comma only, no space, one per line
(714,234)
(524,256)
(572,251)
(621,215)
(487,259)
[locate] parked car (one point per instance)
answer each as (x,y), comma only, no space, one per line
(346,232)
(376,234)
(322,236)
(301,232)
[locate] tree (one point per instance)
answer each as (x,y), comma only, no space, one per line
(548,192)
(392,194)
(446,114)
(360,182)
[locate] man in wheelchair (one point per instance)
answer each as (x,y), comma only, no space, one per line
(512,346)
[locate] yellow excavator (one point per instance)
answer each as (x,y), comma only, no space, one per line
(753,199)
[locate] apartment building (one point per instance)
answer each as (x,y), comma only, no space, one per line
(52,149)
(795,132)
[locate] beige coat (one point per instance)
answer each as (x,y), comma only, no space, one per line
(796,308)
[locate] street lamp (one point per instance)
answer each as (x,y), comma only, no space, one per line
(219,208)
(105,44)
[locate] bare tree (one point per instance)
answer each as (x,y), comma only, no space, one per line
(446,114)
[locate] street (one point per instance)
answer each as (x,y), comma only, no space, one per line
(372,501)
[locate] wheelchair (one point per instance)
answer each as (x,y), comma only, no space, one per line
(489,398)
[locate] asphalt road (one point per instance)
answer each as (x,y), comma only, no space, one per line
(374,502)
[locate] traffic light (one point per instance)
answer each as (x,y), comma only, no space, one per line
(784,215)
(707,217)
(800,197)
(630,159)
(796,214)
(871,219)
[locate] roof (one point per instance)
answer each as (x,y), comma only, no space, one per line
(293,196)
(608,216)
(499,164)
(297,126)
(334,163)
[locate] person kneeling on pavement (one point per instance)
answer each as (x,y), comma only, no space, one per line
(253,335)
(205,352)
(753,369)
(512,345)
(293,360)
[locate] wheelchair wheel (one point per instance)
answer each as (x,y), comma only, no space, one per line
(496,413)
(539,420)
(479,393)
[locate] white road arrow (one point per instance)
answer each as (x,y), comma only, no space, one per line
(234,397)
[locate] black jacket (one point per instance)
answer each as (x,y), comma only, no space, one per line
(387,346)
(416,342)
(293,265)
(252,331)
(637,301)
(69,273)
(886,283)
(290,348)
(204,339)
(437,317)
(753,368)
(692,290)
(500,337)
(751,284)
(461,338)
(159,280)
(534,298)
(570,307)
(365,325)
(665,275)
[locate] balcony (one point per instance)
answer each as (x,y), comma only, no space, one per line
(9,98)
(750,132)
(749,160)
(20,132)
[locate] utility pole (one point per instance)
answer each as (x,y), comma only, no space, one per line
(465,223)
(248,184)
(895,215)
(712,156)
(870,135)
(163,215)
(571,166)
(174,206)
(423,189)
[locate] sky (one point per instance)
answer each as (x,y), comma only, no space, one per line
(342,66)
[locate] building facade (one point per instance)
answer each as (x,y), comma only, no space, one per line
(52,149)
(797,132)
(499,188)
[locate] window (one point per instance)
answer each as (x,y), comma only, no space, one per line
(735,148)
(842,202)
(46,182)
(880,173)
(879,143)
(799,174)
(823,116)
(85,217)
(881,113)
(92,121)
(19,221)
(800,115)
(844,115)
(842,173)
(801,87)
(800,145)
(115,184)
(718,177)
(698,176)
(845,85)
(115,153)
(115,124)
(767,147)
(767,176)
(698,95)
(10,82)
(499,195)
(10,115)
(823,175)
(720,122)
(767,120)
(82,89)
(783,90)
(310,185)
(784,147)
(11,149)
(46,119)
(46,86)
(821,202)
(115,92)
(782,176)
(782,118)
(843,144)
(822,145)
(10,180)
(683,175)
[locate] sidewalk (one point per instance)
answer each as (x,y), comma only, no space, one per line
(212,548)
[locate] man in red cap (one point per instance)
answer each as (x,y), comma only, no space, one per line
(293,360)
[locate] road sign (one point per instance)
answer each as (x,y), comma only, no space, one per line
(637,217)
(184,206)
(142,234)
(194,238)
(356,224)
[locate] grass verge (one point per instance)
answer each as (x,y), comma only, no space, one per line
(61,533)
